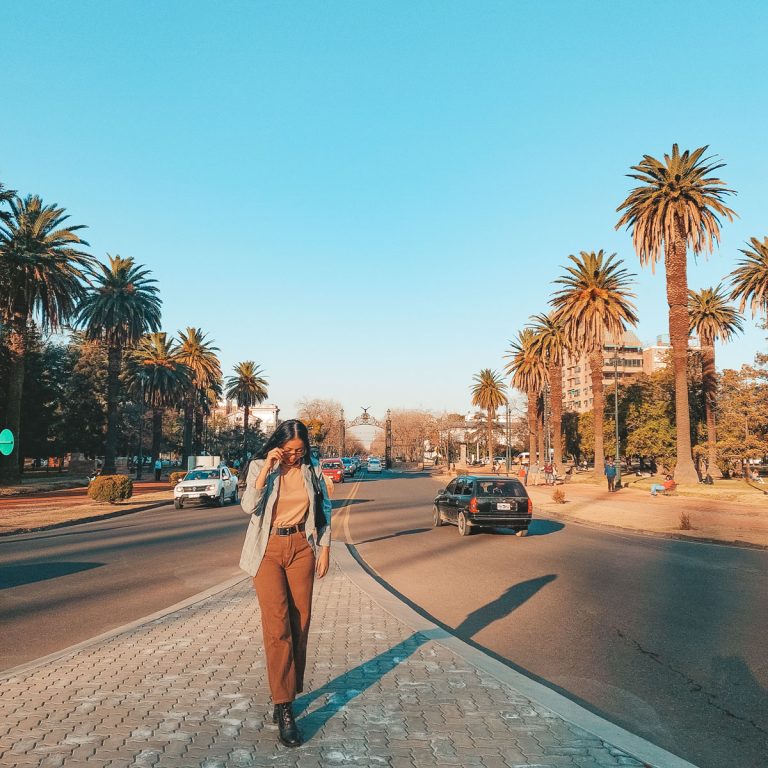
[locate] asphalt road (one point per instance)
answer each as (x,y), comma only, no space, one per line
(65,585)
(668,639)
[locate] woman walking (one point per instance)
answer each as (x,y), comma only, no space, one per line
(290,511)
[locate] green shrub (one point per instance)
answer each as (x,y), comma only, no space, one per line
(111,488)
(176,477)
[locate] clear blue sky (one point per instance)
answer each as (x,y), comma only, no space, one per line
(369,199)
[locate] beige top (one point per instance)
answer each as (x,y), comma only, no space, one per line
(292,502)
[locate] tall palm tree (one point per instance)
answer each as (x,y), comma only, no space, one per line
(529,375)
(678,205)
(156,373)
(200,357)
(550,342)
(594,301)
(712,318)
(120,306)
(750,278)
(488,394)
(41,277)
(248,387)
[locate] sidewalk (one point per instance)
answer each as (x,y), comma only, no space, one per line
(636,510)
(385,687)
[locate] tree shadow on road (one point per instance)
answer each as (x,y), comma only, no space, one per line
(17,575)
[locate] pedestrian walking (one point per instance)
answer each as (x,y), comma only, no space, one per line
(286,547)
(548,473)
(158,469)
(610,474)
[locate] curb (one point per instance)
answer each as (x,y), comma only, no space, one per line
(110,633)
(355,569)
(91,519)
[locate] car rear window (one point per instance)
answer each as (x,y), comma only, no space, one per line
(331,464)
(500,488)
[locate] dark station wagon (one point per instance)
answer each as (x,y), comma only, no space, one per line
(481,501)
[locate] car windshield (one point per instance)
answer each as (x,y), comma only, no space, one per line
(499,488)
(203,474)
(331,464)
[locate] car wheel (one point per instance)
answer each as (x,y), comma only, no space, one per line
(522,532)
(178,504)
(437,521)
(220,500)
(465,529)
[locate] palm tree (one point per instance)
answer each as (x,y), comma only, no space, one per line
(712,318)
(156,373)
(41,277)
(248,387)
(488,394)
(529,375)
(200,357)
(120,306)
(750,278)
(550,343)
(6,198)
(594,301)
(677,205)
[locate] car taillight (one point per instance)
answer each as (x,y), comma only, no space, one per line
(530,507)
(473,504)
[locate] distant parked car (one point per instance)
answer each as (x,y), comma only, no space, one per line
(333,468)
(471,502)
(374,465)
(209,486)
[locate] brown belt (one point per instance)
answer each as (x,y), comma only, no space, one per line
(287,531)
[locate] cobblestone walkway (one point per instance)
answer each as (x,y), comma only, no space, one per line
(190,689)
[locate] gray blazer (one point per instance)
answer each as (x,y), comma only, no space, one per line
(259,503)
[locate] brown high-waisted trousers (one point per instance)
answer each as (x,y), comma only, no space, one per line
(284,587)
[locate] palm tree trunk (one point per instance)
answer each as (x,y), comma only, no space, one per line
(679,326)
(491,415)
(246,414)
(114,359)
(10,466)
(540,429)
(188,416)
(532,397)
(598,406)
(157,432)
(709,385)
(199,417)
(556,406)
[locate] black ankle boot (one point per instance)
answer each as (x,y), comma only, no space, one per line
(289,733)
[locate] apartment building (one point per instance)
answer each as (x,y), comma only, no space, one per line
(633,358)
(577,381)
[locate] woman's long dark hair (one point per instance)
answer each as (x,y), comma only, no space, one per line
(285,431)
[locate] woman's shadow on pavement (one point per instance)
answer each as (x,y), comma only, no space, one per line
(342,689)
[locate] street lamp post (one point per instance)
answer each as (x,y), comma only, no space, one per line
(616,412)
